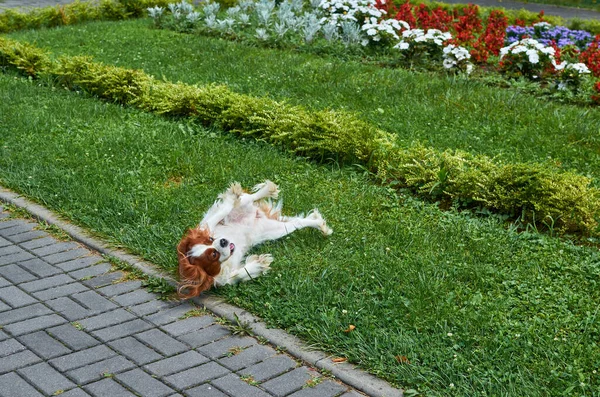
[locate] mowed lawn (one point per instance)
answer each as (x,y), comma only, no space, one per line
(443,302)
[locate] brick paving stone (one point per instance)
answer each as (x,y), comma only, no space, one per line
(120,288)
(23,313)
(65,256)
(53,248)
(75,393)
(233,386)
(94,301)
(68,308)
(288,382)
(135,351)
(205,335)
(34,324)
(48,282)
(27,236)
(37,243)
(247,357)
(15,297)
(135,297)
(92,271)
(170,315)
(197,375)
(224,346)
(18,360)
(72,337)
(82,358)
(161,342)
(44,345)
(4,282)
(101,369)
(39,267)
(107,388)
(16,274)
(10,249)
(20,227)
(10,223)
(15,258)
(46,378)
(143,384)
(4,242)
(79,263)
(152,307)
(177,363)
(324,389)
(269,368)
(107,319)
(12,385)
(188,325)
(4,335)
(122,330)
(10,346)
(57,292)
(206,390)
(103,280)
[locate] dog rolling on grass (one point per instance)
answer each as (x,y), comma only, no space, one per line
(214,253)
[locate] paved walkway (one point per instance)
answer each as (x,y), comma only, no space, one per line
(565,12)
(70,326)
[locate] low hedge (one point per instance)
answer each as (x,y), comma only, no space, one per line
(76,12)
(535,193)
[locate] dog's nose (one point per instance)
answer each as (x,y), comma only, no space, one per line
(223,243)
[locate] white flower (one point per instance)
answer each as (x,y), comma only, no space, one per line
(448,63)
(469,68)
(580,68)
(403,45)
(533,55)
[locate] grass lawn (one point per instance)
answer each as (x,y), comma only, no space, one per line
(439,112)
(475,309)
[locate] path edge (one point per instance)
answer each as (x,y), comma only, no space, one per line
(344,372)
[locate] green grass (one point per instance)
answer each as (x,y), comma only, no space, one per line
(469,303)
(438,111)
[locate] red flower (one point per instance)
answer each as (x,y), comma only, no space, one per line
(591,56)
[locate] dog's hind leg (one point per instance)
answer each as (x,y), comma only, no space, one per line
(271,229)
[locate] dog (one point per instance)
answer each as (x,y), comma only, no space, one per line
(214,253)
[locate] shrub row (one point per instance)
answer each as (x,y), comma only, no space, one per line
(535,193)
(77,12)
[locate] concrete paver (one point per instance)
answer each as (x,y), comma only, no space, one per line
(60,334)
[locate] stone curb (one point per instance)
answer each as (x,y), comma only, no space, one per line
(345,372)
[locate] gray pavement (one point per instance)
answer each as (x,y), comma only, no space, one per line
(71,326)
(565,12)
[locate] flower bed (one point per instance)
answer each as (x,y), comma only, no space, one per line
(564,62)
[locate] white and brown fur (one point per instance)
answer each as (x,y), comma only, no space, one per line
(214,253)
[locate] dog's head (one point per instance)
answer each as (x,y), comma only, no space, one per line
(200,257)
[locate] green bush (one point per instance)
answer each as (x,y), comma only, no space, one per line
(534,193)
(77,12)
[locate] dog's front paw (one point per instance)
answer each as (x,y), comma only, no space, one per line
(265,260)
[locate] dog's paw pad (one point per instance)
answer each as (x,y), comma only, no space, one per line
(265,260)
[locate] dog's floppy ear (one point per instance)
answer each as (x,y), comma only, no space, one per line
(193,278)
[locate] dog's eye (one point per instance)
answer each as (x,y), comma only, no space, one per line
(211,239)
(214,254)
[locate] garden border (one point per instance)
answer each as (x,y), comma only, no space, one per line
(345,372)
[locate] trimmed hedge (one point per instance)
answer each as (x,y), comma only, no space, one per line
(77,12)
(535,193)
